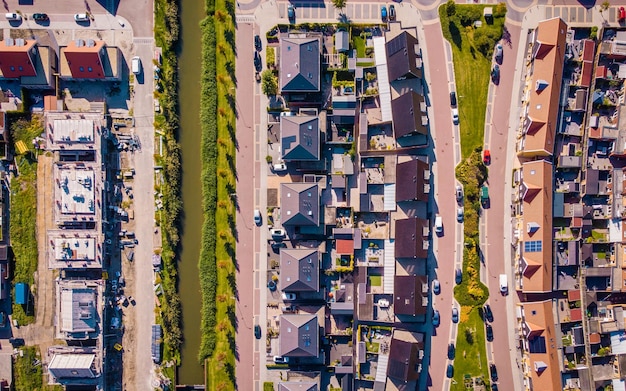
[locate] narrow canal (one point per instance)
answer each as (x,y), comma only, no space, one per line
(190,371)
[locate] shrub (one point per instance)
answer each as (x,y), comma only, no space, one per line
(269,83)
(450,8)
(468,14)
(500,10)
(270,57)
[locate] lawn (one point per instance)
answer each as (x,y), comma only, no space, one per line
(358,43)
(376,280)
(472,73)
(470,348)
(27,371)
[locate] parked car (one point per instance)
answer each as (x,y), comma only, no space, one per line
(436,287)
(3,318)
(453,99)
(383,13)
(459,193)
(257,43)
(135,65)
(450,371)
(436,318)
(291,13)
(487,312)
(280,167)
(16,342)
(281,360)
(277,233)
(392,12)
(622,14)
(455,116)
(258,65)
(487,157)
(40,17)
(438,224)
(494,387)
(257,331)
(455,315)
(495,74)
(460,213)
(458,276)
(489,332)
(81,17)
(494,372)
(499,53)
(451,351)
(257,217)
(288,308)
(13,17)
(290,296)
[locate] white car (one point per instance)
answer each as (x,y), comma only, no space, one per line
(281,360)
(438,224)
(81,17)
(455,116)
(13,17)
(289,296)
(257,217)
(280,167)
(460,214)
(277,233)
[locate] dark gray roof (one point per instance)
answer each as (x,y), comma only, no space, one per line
(300,65)
(300,137)
(4,252)
(402,59)
(409,115)
(299,336)
(409,297)
(299,270)
(411,238)
(410,176)
(297,386)
(299,204)
(403,360)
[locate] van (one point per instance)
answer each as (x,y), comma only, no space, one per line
(438,224)
(135,65)
(504,284)
(13,17)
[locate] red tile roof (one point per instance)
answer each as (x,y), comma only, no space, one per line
(85,61)
(16,58)
(345,246)
(573,295)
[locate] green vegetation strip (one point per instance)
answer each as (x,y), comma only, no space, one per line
(166,124)
(472,49)
(217,262)
(470,358)
(22,226)
(28,373)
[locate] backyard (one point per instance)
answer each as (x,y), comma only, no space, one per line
(472,45)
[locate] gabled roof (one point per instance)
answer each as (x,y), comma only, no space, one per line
(543,103)
(300,204)
(413,178)
(402,58)
(410,295)
(297,386)
(16,58)
(537,227)
(76,366)
(300,65)
(299,336)
(409,115)
(300,137)
(411,238)
(543,352)
(299,270)
(403,360)
(85,59)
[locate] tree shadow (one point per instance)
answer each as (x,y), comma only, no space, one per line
(233,135)
(232,165)
(230,250)
(233,226)
(456,34)
(232,281)
(232,103)
(230,38)
(506,36)
(230,69)
(469,336)
(230,9)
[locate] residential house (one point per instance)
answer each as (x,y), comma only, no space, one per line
(299,270)
(297,386)
(539,339)
(300,204)
(75,366)
(405,359)
(77,309)
(89,60)
(300,65)
(410,296)
(403,57)
(409,115)
(412,238)
(413,178)
(300,138)
(25,60)
(536,234)
(299,336)
(541,111)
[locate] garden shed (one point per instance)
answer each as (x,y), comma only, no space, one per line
(342,39)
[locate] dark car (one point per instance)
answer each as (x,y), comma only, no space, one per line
(450,371)
(489,332)
(392,12)
(451,351)
(436,318)
(39,17)
(453,99)
(458,276)
(257,43)
(494,372)
(291,13)
(258,65)
(494,387)
(257,331)
(495,74)
(487,312)
(16,342)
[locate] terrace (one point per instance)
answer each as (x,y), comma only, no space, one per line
(380,138)
(74,249)
(373,225)
(77,193)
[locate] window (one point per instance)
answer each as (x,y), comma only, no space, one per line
(12,68)
(533,246)
(89,69)
(82,69)
(21,68)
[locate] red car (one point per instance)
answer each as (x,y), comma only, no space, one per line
(486,157)
(622,14)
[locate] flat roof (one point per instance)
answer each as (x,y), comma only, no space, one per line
(74,249)
(73,131)
(75,190)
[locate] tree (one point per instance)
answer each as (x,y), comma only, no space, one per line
(500,10)
(450,8)
(340,4)
(269,83)
(605,6)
